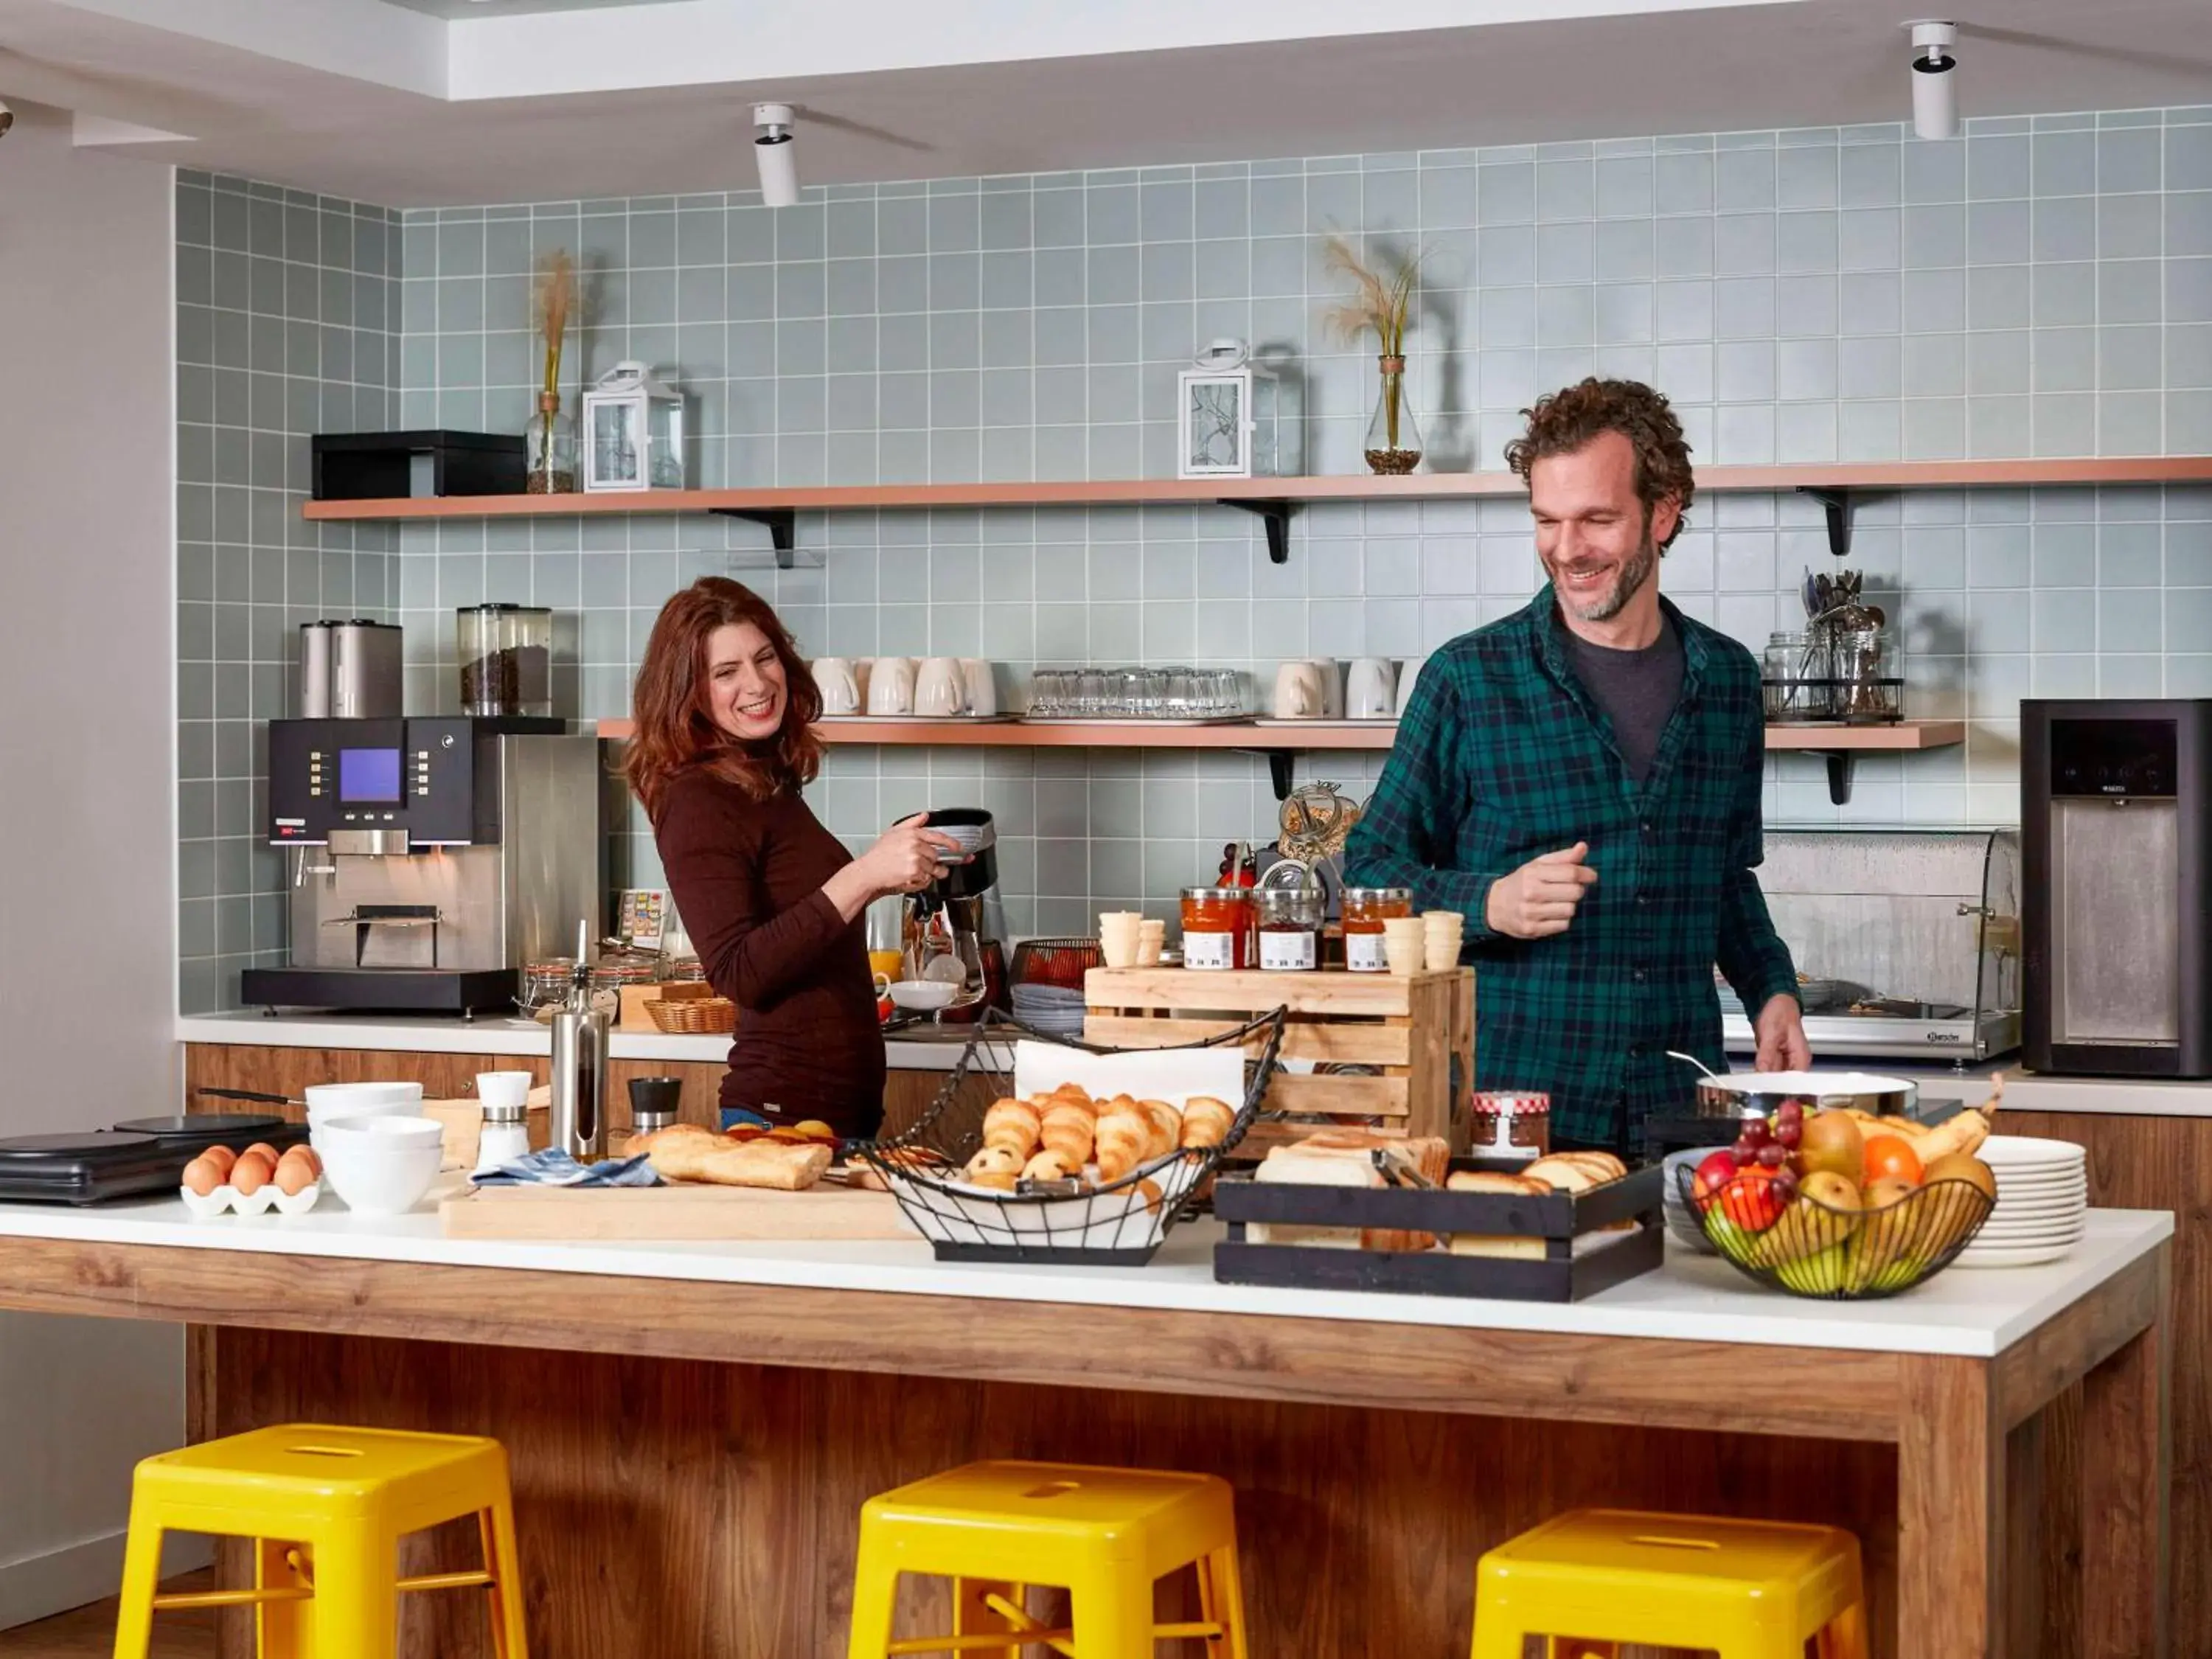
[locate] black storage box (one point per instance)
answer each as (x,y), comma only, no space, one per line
(1561,1275)
(359,467)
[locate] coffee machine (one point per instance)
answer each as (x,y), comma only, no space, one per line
(2116,832)
(959,919)
(429,857)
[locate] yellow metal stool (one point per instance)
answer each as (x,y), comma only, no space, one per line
(1752,1589)
(326,1508)
(1106,1535)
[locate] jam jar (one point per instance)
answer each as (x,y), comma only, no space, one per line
(1365,910)
(1217,928)
(1290,919)
(1509,1124)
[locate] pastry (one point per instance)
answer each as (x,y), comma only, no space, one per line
(994,1166)
(1048,1165)
(1206,1121)
(1167,1128)
(708,1156)
(1069,1130)
(1120,1143)
(1013,1124)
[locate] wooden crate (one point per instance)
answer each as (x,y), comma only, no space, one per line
(1407,1027)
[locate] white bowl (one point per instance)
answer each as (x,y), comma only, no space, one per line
(922,995)
(326,1101)
(379,1177)
(384,1129)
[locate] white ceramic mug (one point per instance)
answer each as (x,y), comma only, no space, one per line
(1367,690)
(983,685)
(1332,687)
(938,691)
(1297,692)
(1408,673)
(840,688)
(890,685)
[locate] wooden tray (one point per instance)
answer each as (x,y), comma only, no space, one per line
(611,1214)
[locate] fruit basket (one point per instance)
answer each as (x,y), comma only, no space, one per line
(1810,1249)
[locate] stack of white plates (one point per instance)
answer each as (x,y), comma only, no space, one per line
(1051,1009)
(2043,1203)
(1680,1221)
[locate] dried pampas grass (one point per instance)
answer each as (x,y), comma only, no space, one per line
(552,297)
(1380,301)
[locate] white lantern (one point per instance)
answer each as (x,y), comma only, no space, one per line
(1228,419)
(633,431)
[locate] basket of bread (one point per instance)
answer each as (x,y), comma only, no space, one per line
(1346,1209)
(1080,1154)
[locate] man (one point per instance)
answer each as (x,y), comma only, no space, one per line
(1583,781)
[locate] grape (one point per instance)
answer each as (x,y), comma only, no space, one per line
(1788,1134)
(1785,1183)
(1754,1131)
(1789,1111)
(1743,1152)
(1773,1155)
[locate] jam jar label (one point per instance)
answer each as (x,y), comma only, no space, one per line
(1363,953)
(1209,950)
(1289,951)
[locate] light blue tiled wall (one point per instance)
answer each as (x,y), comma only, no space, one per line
(2037,287)
(286,326)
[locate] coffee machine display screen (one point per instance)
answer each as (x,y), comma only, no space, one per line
(369,774)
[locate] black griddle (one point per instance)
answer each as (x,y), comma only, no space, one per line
(86,1168)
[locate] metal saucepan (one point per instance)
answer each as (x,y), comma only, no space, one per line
(1756,1094)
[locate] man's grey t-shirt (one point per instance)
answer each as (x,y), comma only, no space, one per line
(1638,689)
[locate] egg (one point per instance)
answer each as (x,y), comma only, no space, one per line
(265,1149)
(251,1174)
(308,1155)
(294,1176)
(201,1177)
(221,1157)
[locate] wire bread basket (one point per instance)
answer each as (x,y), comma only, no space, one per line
(1119,1223)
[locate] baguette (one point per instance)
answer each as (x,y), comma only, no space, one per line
(770,1164)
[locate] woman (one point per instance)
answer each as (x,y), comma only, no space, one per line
(724,711)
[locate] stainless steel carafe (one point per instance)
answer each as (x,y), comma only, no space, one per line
(350,670)
(578,1118)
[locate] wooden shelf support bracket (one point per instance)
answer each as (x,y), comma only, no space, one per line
(783,524)
(1837,503)
(1277,516)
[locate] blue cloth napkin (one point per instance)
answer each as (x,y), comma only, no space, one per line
(550,1168)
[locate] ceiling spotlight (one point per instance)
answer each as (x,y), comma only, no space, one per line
(1934,90)
(773,150)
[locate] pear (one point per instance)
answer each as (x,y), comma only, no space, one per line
(1831,1141)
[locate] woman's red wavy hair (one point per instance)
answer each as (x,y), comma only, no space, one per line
(675,731)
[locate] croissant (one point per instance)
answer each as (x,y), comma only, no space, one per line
(994,1166)
(1048,1166)
(1013,1124)
(1206,1121)
(1167,1127)
(1121,1140)
(1069,1131)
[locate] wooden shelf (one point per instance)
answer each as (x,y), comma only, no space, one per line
(1421,487)
(1901,735)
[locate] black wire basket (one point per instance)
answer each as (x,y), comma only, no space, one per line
(1113,1224)
(1838,1256)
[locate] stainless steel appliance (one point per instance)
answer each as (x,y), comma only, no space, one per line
(350,670)
(1907,942)
(2116,809)
(429,857)
(959,918)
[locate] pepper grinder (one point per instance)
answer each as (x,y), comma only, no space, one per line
(652,1104)
(578,1120)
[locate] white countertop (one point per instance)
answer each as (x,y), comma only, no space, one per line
(1971,1312)
(487,1034)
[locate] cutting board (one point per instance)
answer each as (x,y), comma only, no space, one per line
(616,1214)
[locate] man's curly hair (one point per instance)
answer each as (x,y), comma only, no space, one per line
(1564,421)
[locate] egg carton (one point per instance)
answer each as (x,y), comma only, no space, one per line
(228,1201)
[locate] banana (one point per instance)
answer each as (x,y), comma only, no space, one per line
(1962,1134)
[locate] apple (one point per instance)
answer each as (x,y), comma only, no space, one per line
(1714,1172)
(1751,1201)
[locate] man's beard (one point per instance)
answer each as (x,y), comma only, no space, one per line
(1609,605)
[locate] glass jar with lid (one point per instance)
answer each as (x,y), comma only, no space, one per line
(506,655)
(1217,928)
(1365,910)
(1289,928)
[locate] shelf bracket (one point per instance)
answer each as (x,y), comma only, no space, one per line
(1278,771)
(782,528)
(1278,516)
(1837,502)
(1840,766)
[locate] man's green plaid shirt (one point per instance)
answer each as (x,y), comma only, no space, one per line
(1502,755)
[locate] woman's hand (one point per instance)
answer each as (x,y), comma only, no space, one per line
(907,857)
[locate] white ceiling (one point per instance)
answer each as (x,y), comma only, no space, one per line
(450,8)
(356,98)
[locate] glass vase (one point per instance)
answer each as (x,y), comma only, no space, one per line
(551,451)
(1393,439)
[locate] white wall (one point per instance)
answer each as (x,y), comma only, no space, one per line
(88,881)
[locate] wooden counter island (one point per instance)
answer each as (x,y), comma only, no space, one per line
(694,1427)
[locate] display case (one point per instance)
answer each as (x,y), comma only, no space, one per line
(1907,942)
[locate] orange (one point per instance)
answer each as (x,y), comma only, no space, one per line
(1891,1158)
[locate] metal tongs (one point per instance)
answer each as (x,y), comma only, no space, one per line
(1395,1164)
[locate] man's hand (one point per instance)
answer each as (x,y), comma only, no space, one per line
(1538,899)
(1781,1031)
